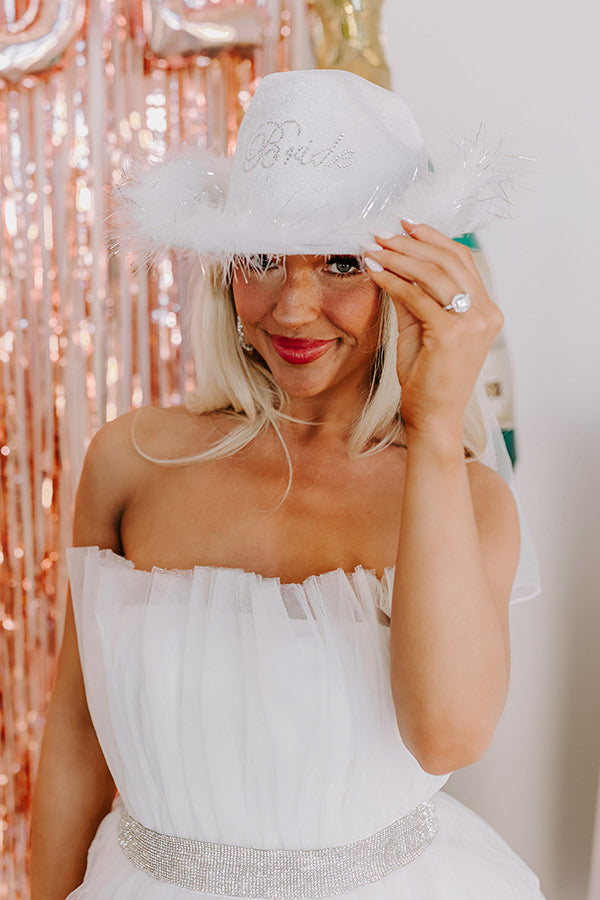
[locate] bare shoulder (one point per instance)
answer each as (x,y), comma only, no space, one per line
(114,469)
(103,485)
(175,432)
(162,432)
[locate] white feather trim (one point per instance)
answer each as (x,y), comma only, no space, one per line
(470,187)
(180,204)
(170,204)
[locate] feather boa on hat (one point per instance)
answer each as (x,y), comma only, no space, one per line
(180,204)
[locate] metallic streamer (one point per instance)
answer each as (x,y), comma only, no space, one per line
(82,338)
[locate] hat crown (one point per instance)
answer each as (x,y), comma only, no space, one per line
(321,140)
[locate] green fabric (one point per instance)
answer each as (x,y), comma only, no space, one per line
(469,240)
(511,444)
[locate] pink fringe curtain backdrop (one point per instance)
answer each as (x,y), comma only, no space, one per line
(83,89)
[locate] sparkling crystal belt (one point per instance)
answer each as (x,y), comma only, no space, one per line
(277,874)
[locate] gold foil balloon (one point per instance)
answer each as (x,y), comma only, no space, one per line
(178,28)
(346,35)
(37,41)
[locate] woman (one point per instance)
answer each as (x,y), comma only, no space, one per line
(277,710)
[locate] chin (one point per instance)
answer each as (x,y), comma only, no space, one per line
(303,385)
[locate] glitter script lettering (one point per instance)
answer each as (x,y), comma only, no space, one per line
(279,143)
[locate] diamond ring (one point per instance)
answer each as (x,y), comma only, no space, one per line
(460,303)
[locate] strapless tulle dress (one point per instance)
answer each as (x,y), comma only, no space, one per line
(237,710)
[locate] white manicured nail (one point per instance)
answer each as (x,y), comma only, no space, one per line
(373,265)
(385,234)
(370,245)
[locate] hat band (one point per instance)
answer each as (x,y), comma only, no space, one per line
(278,874)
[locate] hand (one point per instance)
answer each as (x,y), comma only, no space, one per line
(440,352)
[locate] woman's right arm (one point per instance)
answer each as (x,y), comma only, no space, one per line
(74,789)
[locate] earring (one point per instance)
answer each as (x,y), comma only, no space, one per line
(240,331)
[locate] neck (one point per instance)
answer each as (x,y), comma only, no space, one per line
(322,419)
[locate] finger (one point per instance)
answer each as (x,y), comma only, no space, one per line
(423,306)
(423,232)
(431,277)
(446,258)
(433,317)
(423,240)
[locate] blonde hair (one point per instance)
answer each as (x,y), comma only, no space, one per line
(236,382)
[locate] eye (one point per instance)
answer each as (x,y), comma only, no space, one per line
(343,265)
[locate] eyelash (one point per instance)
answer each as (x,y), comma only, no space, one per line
(264,263)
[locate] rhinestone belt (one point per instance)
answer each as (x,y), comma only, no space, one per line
(277,874)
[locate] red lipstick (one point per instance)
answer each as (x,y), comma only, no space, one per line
(299,351)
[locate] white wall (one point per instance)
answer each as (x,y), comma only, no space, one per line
(529,67)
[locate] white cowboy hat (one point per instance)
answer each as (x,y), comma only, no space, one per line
(323,159)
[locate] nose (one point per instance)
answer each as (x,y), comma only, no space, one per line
(298,298)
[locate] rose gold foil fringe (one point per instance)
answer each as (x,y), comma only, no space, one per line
(82,338)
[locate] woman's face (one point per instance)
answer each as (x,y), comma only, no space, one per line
(313,319)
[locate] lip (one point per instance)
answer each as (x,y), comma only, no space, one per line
(299,351)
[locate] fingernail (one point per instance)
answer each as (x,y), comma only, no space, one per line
(384,234)
(370,245)
(410,221)
(372,264)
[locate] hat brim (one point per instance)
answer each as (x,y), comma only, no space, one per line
(180,204)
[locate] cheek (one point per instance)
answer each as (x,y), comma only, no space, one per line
(356,310)
(251,301)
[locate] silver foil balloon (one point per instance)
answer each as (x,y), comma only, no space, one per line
(179,28)
(36,42)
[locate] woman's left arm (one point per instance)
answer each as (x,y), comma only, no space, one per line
(459,535)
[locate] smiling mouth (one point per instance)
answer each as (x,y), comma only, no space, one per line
(299,351)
